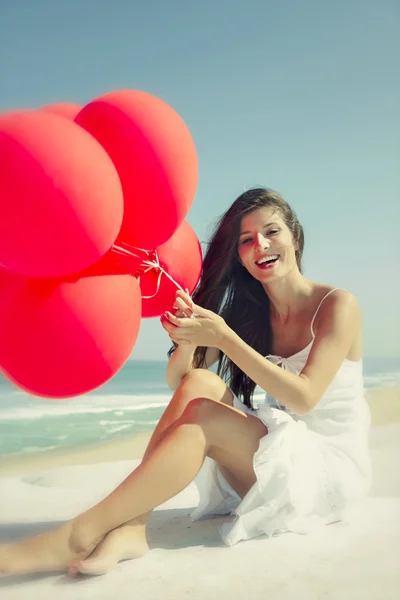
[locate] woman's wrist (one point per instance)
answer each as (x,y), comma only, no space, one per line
(186,348)
(225,337)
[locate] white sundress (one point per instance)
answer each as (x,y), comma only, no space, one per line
(308,467)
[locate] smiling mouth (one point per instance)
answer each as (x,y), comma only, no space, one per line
(267,261)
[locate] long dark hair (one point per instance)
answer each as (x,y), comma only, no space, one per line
(228,289)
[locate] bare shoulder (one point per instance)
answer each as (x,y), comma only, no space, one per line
(330,295)
(334,298)
(338,306)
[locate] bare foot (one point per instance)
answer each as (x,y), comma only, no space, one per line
(51,551)
(123,543)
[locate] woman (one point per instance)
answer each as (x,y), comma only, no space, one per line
(289,464)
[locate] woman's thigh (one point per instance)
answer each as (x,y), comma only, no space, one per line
(197,383)
(232,438)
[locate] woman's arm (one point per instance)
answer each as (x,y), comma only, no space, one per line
(179,365)
(181,362)
(339,322)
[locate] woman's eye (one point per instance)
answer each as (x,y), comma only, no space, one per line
(247,240)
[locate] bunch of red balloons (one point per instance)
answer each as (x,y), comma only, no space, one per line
(93,235)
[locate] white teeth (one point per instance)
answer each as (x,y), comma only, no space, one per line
(267,259)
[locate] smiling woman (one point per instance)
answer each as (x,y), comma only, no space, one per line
(259,240)
(289,464)
(263,246)
(300,341)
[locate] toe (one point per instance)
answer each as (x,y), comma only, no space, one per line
(73,570)
(94,567)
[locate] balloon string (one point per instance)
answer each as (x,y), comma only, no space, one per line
(149,260)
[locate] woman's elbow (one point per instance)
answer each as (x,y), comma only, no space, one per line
(302,410)
(307,400)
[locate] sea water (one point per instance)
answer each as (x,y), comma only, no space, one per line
(131,402)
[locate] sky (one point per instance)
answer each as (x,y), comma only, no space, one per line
(302,97)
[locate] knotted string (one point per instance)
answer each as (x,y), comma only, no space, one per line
(149,261)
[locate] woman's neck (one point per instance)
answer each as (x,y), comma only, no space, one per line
(288,295)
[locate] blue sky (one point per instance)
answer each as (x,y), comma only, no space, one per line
(302,96)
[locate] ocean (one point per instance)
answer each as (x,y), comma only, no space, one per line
(131,402)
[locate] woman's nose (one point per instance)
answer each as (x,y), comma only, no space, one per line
(262,241)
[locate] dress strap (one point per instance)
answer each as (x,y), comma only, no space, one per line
(319,305)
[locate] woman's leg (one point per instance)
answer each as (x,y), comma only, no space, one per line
(206,428)
(129,540)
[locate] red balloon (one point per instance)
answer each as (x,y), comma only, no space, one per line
(181,258)
(7,279)
(63,109)
(62,339)
(61,203)
(155,157)
(114,263)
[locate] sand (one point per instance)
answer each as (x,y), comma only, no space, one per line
(51,459)
(356,559)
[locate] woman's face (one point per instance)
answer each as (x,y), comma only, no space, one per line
(265,245)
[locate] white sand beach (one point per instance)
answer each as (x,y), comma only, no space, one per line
(356,559)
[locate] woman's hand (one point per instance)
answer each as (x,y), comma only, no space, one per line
(199,327)
(182,310)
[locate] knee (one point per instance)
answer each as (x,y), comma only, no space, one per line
(199,411)
(200,383)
